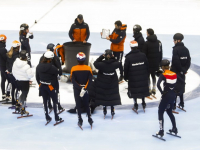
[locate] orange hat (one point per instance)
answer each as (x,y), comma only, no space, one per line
(3,37)
(133,44)
(16,43)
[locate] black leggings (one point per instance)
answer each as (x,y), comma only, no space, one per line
(135,100)
(23,86)
(4,77)
(164,105)
(118,56)
(46,93)
(84,100)
(153,76)
(15,88)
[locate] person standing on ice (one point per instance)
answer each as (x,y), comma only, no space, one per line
(56,62)
(181,62)
(168,93)
(106,84)
(117,39)
(81,77)
(24,36)
(4,76)
(79,31)
(138,36)
(136,74)
(153,50)
(12,54)
(23,74)
(46,76)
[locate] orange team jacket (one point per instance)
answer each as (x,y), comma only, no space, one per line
(59,51)
(81,75)
(79,32)
(117,38)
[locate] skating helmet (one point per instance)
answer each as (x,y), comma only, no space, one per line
(133,44)
(137,28)
(3,37)
(108,52)
(16,44)
(80,56)
(23,54)
(50,47)
(24,26)
(178,36)
(49,54)
(165,62)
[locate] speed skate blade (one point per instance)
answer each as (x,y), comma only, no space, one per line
(80,127)
(24,116)
(173,134)
(181,108)
(154,96)
(16,112)
(135,110)
(158,137)
(58,122)
(121,82)
(175,112)
(61,111)
(48,122)
(50,110)
(149,97)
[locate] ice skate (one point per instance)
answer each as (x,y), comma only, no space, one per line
(58,120)
(149,97)
(104,111)
(159,135)
(24,113)
(80,123)
(17,108)
(153,93)
(60,109)
(144,106)
(135,108)
(120,79)
(181,106)
(3,98)
(48,118)
(90,121)
(112,112)
(173,132)
(7,100)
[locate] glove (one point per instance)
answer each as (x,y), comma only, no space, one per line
(82,93)
(28,35)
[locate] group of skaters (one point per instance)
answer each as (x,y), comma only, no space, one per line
(142,64)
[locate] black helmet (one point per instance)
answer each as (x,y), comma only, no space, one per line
(164,62)
(137,28)
(24,26)
(178,36)
(51,47)
(22,54)
(108,52)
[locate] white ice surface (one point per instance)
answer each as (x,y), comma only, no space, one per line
(126,131)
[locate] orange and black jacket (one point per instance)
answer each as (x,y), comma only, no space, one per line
(118,38)
(59,51)
(81,76)
(79,32)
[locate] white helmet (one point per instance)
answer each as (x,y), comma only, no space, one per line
(133,44)
(16,44)
(49,54)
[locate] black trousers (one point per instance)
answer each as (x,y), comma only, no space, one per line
(167,103)
(153,76)
(46,93)
(24,87)
(119,56)
(4,77)
(15,88)
(29,58)
(79,100)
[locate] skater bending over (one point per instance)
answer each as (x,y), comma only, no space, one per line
(23,74)
(169,79)
(81,77)
(106,84)
(136,74)
(46,76)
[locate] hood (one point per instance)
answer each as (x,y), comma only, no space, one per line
(179,44)
(44,67)
(76,22)
(124,26)
(131,52)
(152,38)
(2,45)
(137,35)
(20,63)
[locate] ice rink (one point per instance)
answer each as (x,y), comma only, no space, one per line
(127,130)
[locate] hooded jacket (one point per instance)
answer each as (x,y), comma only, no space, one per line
(3,52)
(140,40)
(106,84)
(22,71)
(153,50)
(117,38)
(79,32)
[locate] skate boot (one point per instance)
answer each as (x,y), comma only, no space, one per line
(112,111)
(24,112)
(104,111)
(80,123)
(8,98)
(181,105)
(3,97)
(48,119)
(135,108)
(144,106)
(120,80)
(150,94)
(174,130)
(58,120)
(90,121)
(153,91)
(60,109)
(160,133)
(17,107)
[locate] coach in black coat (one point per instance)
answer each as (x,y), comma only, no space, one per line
(140,40)
(136,73)
(106,84)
